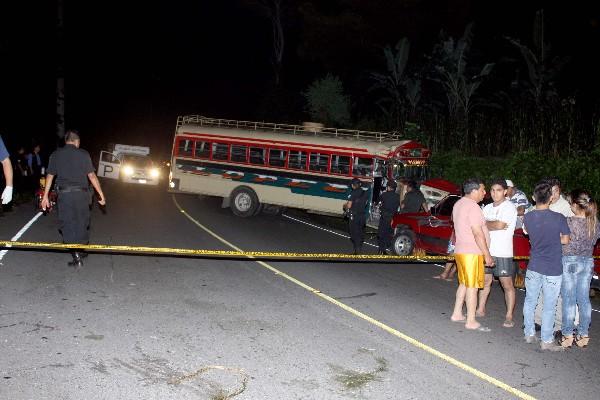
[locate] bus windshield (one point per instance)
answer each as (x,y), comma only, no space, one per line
(415,172)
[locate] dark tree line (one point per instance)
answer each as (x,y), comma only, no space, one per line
(487,95)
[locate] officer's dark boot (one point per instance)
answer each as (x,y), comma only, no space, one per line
(77,261)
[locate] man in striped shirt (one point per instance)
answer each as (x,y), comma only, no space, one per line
(519,199)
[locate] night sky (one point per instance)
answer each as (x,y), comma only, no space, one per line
(132,67)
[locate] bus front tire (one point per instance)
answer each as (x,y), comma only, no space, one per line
(244,202)
(403,244)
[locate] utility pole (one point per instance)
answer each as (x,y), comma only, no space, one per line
(60,79)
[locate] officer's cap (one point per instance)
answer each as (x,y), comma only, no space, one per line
(355,181)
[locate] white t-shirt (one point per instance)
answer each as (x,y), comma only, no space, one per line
(501,241)
(562,206)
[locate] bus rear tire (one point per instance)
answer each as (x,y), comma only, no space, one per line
(244,202)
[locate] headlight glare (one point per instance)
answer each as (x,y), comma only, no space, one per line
(128,170)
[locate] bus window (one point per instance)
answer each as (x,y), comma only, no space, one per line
(318,162)
(220,151)
(340,164)
(238,153)
(363,166)
(257,155)
(277,157)
(202,149)
(185,147)
(297,159)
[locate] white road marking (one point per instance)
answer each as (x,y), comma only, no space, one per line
(323,229)
(20,233)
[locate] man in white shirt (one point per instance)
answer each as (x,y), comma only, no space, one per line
(501,218)
(557,202)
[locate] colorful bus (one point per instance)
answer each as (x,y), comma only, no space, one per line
(258,166)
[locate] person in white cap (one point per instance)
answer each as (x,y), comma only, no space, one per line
(519,199)
(8,173)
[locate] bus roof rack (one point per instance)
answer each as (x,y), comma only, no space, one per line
(308,128)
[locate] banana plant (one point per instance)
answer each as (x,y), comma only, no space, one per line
(541,68)
(393,81)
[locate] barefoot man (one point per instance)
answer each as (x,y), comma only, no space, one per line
(471,252)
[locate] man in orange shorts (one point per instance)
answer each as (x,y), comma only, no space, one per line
(471,252)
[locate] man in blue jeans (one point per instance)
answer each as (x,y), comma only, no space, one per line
(547,230)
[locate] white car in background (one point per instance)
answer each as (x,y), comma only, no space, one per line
(129,164)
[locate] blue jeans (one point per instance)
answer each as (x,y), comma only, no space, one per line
(577,275)
(550,287)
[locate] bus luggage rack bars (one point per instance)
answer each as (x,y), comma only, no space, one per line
(306,129)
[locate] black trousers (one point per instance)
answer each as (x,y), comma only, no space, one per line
(357,233)
(74,216)
(384,232)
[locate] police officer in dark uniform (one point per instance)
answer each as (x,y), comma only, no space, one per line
(355,206)
(73,167)
(388,206)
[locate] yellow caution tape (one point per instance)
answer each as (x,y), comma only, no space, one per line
(216,253)
(225,253)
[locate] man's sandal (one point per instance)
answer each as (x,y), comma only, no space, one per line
(567,341)
(582,341)
(508,323)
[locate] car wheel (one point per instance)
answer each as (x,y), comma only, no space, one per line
(244,202)
(403,244)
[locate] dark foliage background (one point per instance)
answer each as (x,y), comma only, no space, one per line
(513,81)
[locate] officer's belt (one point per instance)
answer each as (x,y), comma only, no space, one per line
(71,189)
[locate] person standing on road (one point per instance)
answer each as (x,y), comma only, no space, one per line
(578,267)
(389,203)
(414,199)
(547,231)
(21,171)
(501,218)
(471,252)
(560,205)
(36,166)
(355,206)
(519,199)
(8,173)
(73,167)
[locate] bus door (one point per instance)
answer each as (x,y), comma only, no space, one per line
(109,165)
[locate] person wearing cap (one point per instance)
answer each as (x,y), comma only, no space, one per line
(8,173)
(519,199)
(388,206)
(356,204)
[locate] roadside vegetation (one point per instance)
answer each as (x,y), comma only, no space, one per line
(488,105)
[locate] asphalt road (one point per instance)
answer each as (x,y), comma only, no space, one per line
(147,327)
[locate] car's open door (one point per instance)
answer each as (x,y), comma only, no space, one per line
(109,165)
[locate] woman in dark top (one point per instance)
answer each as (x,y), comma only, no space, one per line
(578,265)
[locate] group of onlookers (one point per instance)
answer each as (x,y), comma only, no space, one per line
(27,169)
(562,233)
